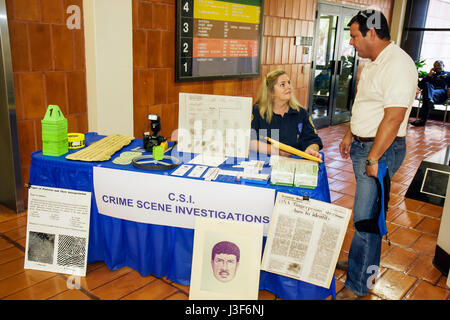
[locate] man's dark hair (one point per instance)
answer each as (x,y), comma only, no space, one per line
(226,247)
(372,19)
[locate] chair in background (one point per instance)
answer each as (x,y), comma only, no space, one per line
(445,104)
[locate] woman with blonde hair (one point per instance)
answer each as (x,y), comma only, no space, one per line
(278,115)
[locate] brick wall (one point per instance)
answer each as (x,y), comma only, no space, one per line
(49,68)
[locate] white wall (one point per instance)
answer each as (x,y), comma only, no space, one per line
(397,21)
(109,65)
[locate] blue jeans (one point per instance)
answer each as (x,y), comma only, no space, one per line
(365,249)
(431,96)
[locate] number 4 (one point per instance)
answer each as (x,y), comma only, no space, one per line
(186,6)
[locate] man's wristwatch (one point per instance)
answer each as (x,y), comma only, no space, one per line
(371,162)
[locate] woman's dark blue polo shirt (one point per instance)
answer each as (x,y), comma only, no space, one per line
(294,128)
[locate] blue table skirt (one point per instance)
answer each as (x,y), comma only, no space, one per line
(153,249)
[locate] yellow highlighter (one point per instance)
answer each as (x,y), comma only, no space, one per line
(292,150)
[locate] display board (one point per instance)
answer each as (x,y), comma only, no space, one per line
(431,179)
(218,39)
(57,230)
(305,239)
(225,260)
(214,125)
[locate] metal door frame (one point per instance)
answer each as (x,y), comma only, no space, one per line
(11,187)
(338,10)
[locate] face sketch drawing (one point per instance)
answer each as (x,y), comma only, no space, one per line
(225,260)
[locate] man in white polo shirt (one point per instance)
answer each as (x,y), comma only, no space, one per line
(377,131)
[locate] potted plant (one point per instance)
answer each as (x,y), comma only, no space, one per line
(419,65)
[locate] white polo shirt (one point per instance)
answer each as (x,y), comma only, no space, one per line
(389,81)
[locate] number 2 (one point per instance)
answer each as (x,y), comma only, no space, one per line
(185,47)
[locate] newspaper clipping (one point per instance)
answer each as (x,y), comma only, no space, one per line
(57,230)
(305,238)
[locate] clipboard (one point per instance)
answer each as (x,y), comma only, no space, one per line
(292,150)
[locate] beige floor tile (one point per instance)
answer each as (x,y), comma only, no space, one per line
(426,291)
(424,269)
(393,285)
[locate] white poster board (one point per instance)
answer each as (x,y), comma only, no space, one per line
(215,125)
(173,201)
(226,260)
(305,238)
(57,230)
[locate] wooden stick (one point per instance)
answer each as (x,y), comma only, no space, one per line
(292,150)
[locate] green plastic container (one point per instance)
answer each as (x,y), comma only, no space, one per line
(54,132)
(55,149)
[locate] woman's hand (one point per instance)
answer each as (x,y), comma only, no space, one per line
(312,151)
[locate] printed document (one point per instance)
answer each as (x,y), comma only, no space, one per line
(57,230)
(305,238)
(214,124)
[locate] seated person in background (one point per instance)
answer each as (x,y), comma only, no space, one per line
(278,115)
(434,90)
(322,81)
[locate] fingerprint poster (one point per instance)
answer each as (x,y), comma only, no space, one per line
(57,230)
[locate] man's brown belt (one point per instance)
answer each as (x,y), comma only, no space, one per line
(363,139)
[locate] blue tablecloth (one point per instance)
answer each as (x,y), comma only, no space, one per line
(154,249)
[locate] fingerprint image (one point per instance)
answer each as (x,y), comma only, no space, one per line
(71,251)
(41,247)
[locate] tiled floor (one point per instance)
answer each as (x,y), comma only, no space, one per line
(406,271)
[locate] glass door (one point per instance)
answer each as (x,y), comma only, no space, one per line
(345,72)
(321,93)
(333,66)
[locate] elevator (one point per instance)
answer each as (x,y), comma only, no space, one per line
(11,186)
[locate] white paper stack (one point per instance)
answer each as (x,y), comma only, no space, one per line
(300,173)
(283,173)
(306,174)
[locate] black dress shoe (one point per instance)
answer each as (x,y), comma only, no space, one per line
(347,294)
(342,265)
(418,123)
